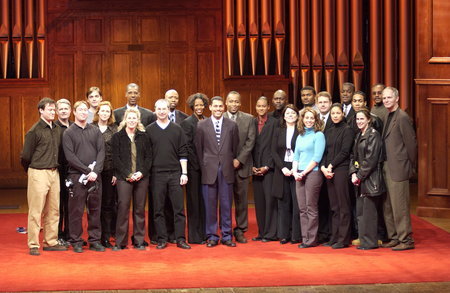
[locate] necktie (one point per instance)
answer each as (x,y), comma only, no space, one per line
(172,117)
(323,119)
(217,128)
(233,117)
(345,110)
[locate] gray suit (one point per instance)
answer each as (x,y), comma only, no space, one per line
(401,157)
(247,135)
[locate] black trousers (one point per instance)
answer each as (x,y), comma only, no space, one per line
(288,212)
(240,196)
(195,207)
(265,206)
(131,192)
(167,184)
(63,226)
(324,230)
(81,198)
(340,206)
(366,210)
(109,205)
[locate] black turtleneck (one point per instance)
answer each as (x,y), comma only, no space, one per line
(339,141)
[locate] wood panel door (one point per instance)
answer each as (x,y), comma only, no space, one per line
(433,106)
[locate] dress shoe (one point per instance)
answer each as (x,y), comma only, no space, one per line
(78,249)
(390,244)
(161,245)
(182,244)
(145,243)
(284,241)
(211,243)
(295,241)
(304,245)
(329,244)
(240,238)
(153,242)
(257,238)
(107,244)
(267,240)
(139,246)
(173,241)
(356,242)
(338,245)
(366,248)
(56,247)
(63,242)
(96,247)
(119,247)
(228,243)
(403,246)
(34,251)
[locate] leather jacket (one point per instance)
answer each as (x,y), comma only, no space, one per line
(366,161)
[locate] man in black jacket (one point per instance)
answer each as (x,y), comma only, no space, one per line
(133,94)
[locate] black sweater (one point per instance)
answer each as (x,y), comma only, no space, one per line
(168,146)
(339,141)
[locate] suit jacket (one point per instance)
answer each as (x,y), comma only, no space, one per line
(247,135)
(189,126)
(211,155)
(147,116)
(278,152)
(262,152)
(401,146)
(180,116)
(351,113)
(328,124)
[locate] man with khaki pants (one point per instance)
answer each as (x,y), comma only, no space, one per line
(40,159)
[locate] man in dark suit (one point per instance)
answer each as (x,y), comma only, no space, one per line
(133,95)
(175,115)
(347,91)
(401,157)
(323,103)
(265,202)
(216,142)
(242,163)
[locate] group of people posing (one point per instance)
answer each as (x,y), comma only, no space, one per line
(326,174)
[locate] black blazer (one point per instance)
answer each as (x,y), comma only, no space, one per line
(147,116)
(121,146)
(339,141)
(278,152)
(262,152)
(189,126)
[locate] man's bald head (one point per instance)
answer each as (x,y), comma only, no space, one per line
(173,98)
(279,100)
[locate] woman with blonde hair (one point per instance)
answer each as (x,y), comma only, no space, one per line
(104,120)
(132,157)
(309,149)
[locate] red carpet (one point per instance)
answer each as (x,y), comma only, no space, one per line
(252,264)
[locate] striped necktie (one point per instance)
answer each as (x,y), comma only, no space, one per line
(217,129)
(172,117)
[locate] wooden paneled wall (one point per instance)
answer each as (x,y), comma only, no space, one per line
(432,82)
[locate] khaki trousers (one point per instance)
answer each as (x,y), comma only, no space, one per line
(396,209)
(43,204)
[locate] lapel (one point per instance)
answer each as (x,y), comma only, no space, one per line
(224,132)
(393,122)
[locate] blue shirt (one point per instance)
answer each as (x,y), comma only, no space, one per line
(309,147)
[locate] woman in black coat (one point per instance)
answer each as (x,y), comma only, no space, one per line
(195,206)
(283,187)
(365,169)
(132,161)
(334,166)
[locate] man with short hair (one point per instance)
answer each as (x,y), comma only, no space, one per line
(84,149)
(39,158)
(308,95)
(359,102)
(133,94)
(323,104)
(378,106)
(400,143)
(242,163)
(279,101)
(216,142)
(169,173)
(347,91)
(63,110)
(175,115)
